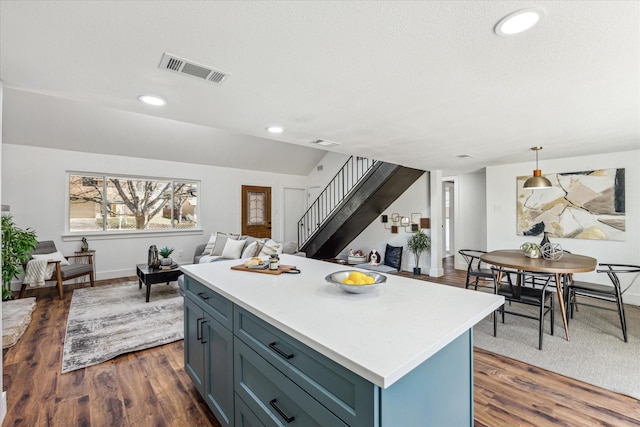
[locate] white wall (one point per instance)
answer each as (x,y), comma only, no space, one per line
(501,211)
(415,199)
(34,183)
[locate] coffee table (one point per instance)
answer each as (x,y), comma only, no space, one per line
(150,276)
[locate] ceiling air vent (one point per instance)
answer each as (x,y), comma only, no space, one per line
(182,66)
(464,156)
(325,143)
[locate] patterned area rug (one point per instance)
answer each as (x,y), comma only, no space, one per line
(16,316)
(108,321)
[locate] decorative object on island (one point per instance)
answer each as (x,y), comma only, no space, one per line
(531,250)
(274,261)
(84,247)
(165,253)
(418,243)
(537,181)
(17,244)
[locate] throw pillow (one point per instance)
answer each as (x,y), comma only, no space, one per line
(210,245)
(221,240)
(252,249)
(289,247)
(271,247)
(54,256)
(393,256)
(232,249)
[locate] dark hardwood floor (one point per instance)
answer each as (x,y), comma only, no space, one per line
(151,388)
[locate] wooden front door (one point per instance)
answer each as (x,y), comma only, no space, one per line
(256,211)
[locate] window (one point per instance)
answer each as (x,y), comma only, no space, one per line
(112,203)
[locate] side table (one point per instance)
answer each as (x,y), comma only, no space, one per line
(150,276)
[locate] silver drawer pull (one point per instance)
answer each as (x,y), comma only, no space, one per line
(279,411)
(273,347)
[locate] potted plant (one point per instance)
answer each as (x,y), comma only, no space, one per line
(418,243)
(165,254)
(17,244)
(531,250)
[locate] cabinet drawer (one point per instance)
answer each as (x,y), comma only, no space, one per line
(272,397)
(217,306)
(244,417)
(349,396)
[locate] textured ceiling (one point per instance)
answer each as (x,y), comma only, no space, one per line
(414,83)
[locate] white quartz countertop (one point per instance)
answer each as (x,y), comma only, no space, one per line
(381,335)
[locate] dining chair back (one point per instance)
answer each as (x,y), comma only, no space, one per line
(604,292)
(516,287)
(476,270)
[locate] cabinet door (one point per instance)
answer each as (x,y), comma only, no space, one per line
(218,356)
(193,348)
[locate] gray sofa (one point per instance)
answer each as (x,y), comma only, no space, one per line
(288,247)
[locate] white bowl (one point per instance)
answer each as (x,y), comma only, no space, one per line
(356,259)
(337,278)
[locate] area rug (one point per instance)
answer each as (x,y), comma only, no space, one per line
(595,352)
(16,316)
(105,322)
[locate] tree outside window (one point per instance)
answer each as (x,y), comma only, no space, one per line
(104,203)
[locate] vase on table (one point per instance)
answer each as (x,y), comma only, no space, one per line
(545,239)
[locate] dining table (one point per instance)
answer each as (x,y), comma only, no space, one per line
(561,268)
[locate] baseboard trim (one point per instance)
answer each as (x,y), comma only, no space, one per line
(436,272)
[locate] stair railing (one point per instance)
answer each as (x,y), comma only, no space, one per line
(354,169)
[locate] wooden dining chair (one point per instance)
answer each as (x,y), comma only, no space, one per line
(510,284)
(603,292)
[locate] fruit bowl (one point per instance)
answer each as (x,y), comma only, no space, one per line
(338,277)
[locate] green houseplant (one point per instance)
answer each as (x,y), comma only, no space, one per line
(165,253)
(418,243)
(17,244)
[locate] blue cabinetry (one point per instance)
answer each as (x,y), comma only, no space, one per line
(253,374)
(208,346)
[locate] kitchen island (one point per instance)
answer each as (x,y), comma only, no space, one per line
(294,349)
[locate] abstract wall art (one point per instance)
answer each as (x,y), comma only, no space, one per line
(580,205)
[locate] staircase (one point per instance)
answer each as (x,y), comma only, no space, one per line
(356,196)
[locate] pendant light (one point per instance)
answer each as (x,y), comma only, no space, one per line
(537,181)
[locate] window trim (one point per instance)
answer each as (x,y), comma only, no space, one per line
(69,235)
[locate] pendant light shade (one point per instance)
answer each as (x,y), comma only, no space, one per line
(537,181)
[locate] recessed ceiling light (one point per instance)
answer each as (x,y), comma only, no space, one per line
(275,129)
(152,100)
(519,21)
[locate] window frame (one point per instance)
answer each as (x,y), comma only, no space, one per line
(114,233)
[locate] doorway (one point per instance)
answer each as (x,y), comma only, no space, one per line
(294,208)
(256,211)
(448,216)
